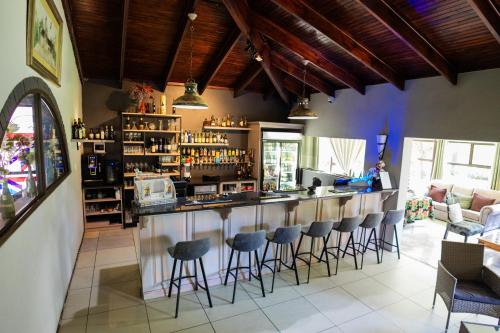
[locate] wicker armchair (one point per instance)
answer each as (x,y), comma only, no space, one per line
(464,284)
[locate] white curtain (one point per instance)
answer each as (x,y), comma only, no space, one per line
(347,152)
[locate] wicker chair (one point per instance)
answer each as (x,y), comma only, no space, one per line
(464,284)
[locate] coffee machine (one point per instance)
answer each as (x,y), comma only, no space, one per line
(92,169)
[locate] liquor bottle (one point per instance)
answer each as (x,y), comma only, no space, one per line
(226,141)
(106,133)
(91,134)
(241,123)
(127,123)
(112,133)
(154,105)
(212,121)
(153,145)
(102,133)
(74,129)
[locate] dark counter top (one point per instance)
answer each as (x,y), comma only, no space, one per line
(249,199)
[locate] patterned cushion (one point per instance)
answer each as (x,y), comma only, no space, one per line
(466,228)
(476,292)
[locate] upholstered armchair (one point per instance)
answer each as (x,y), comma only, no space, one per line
(464,284)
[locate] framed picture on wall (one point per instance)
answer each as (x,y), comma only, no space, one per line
(44,39)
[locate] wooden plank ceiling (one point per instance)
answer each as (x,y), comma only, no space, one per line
(347,43)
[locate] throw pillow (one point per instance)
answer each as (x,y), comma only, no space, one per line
(437,194)
(455,213)
(465,201)
(479,201)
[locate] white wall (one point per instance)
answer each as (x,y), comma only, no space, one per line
(428,108)
(36,262)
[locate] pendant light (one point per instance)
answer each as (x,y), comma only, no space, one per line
(191,99)
(301,110)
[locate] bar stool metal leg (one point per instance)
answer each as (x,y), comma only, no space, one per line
(382,241)
(294,264)
(397,241)
(310,260)
(205,281)
(249,267)
(172,276)
(338,253)
(178,290)
(195,276)
(260,273)
(229,266)
(236,276)
(326,256)
(275,265)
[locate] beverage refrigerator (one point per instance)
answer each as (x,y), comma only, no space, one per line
(280,160)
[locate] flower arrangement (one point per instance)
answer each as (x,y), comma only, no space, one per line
(138,94)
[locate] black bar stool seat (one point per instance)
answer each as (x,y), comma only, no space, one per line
(392,218)
(315,230)
(371,222)
(188,251)
(282,236)
(245,242)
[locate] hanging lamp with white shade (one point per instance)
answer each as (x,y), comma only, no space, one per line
(302,110)
(191,99)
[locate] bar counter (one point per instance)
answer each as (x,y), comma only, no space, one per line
(223,216)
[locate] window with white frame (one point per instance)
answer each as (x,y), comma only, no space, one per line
(469,164)
(422,161)
(341,156)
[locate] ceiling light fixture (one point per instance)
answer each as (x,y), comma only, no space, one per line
(191,99)
(301,110)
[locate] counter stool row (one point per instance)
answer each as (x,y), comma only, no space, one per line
(286,236)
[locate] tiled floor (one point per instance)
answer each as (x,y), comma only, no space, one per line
(395,296)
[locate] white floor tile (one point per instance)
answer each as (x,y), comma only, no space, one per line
(372,293)
(372,322)
(110,256)
(116,273)
(297,316)
(282,291)
(82,278)
(77,303)
(129,320)
(337,305)
(402,281)
(74,325)
(221,301)
(85,260)
(115,296)
(250,322)
(161,314)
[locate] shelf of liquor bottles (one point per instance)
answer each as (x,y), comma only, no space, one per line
(229,129)
(215,156)
(81,134)
(92,141)
(192,144)
(151,115)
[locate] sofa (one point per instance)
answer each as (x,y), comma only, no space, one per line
(487,216)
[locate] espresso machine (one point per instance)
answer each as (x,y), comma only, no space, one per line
(98,171)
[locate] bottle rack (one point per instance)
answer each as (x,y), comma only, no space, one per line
(136,144)
(102,207)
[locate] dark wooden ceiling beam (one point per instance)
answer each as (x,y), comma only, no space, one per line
(411,37)
(182,30)
(124,38)
(303,11)
(219,59)
(285,65)
(239,11)
(72,37)
(246,78)
(489,15)
(295,87)
(297,45)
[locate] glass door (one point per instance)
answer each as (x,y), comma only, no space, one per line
(288,165)
(270,165)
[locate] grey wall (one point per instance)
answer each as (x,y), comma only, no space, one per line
(427,108)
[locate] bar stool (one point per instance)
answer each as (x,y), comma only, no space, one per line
(282,236)
(188,251)
(371,221)
(347,225)
(392,217)
(315,230)
(245,242)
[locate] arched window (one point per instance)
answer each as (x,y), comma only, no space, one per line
(33,159)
